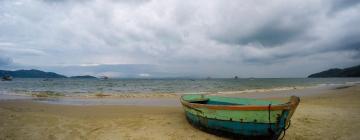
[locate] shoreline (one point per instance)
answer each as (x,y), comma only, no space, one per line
(51,94)
(171,99)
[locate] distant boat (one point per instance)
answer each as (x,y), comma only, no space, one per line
(246,118)
(47,79)
(104,77)
(6,78)
(251,78)
(236,77)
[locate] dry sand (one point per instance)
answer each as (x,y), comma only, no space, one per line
(334,114)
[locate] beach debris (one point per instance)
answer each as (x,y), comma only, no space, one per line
(343,87)
(101,95)
(44,94)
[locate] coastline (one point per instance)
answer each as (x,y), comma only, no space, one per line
(117,88)
(170,99)
(333,114)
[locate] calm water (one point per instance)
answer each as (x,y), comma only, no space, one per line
(120,86)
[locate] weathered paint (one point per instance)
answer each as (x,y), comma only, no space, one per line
(226,103)
(238,128)
(236,101)
(240,118)
(235,115)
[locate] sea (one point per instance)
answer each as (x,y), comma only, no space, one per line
(85,87)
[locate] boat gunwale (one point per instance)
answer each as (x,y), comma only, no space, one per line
(285,106)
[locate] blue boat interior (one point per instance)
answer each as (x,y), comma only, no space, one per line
(212,102)
(217,100)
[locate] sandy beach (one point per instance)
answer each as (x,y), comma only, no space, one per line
(329,114)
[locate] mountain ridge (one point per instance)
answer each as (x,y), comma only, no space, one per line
(337,72)
(32,73)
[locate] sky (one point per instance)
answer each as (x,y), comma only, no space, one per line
(180,38)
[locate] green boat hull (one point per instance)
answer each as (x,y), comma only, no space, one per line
(236,116)
(246,130)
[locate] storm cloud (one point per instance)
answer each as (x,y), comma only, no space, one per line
(249,38)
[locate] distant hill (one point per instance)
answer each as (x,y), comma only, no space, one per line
(30,74)
(336,72)
(84,77)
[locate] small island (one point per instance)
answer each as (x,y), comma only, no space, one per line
(336,72)
(84,77)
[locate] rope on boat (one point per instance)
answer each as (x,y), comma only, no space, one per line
(286,126)
(284,130)
(269,129)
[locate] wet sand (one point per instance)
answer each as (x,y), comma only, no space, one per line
(323,114)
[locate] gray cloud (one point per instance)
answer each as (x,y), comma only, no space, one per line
(181,38)
(5,61)
(338,5)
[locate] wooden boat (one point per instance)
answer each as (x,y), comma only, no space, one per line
(241,117)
